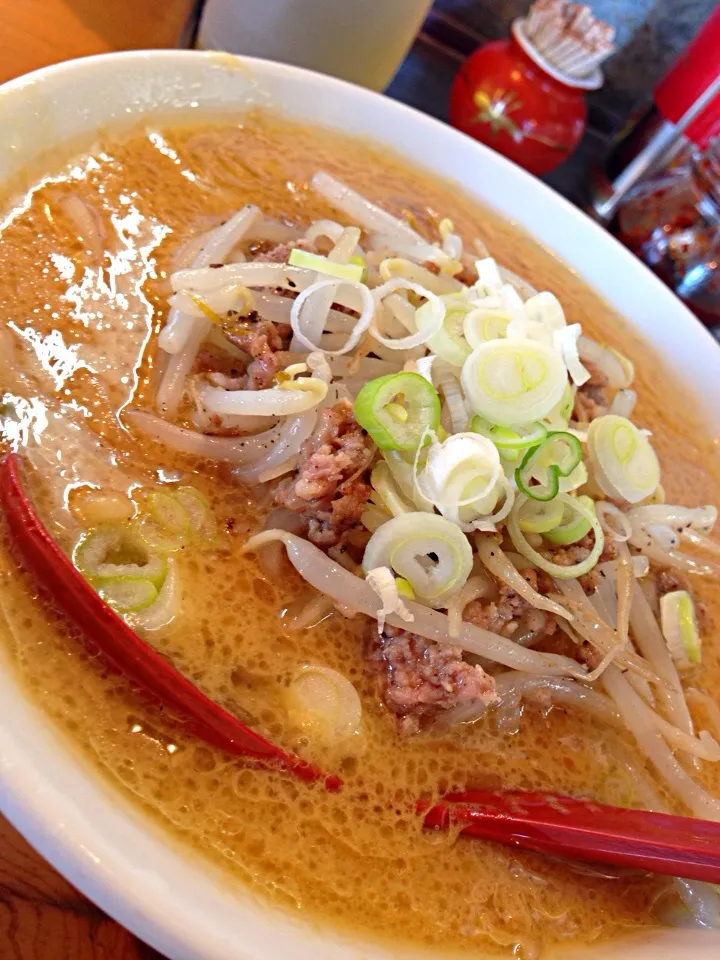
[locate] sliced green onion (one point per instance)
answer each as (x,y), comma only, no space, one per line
(166,510)
(576,478)
(573,526)
(449,342)
(506,438)
(154,536)
(410,390)
(116,552)
(556,457)
(555,569)
(383,483)
(428,551)
(486,322)
(404,588)
(513,381)
(560,415)
(314,261)
(128,596)
(462,472)
(362,263)
(535,516)
(175,517)
(325,704)
(625,464)
(680,627)
(201,518)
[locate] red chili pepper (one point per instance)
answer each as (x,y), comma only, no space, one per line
(137,660)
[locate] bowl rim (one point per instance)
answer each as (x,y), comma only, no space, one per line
(41,802)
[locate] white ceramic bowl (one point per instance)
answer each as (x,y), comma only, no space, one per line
(101,844)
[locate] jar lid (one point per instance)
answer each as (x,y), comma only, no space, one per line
(593,81)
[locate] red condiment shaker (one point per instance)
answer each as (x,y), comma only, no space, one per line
(696,70)
(685,111)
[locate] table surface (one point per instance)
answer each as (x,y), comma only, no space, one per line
(42,917)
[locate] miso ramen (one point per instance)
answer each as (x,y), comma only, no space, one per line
(392,488)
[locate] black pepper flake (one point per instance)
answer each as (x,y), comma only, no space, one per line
(291,283)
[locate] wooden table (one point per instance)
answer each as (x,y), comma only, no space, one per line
(42,917)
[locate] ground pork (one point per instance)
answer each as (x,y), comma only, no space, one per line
(209,360)
(669,580)
(577,552)
(268,252)
(329,487)
(262,340)
(419,676)
(510,614)
(591,399)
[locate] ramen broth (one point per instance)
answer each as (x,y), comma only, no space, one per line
(77,346)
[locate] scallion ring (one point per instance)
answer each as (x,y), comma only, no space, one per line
(572,527)
(555,569)
(116,552)
(556,457)
(430,552)
(513,381)
(625,464)
(128,596)
(536,516)
(449,342)
(397,409)
(510,438)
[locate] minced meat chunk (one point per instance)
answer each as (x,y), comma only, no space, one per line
(591,399)
(329,487)
(262,340)
(510,612)
(669,580)
(268,252)
(577,552)
(420,676)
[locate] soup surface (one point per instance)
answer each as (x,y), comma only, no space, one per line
(79,311)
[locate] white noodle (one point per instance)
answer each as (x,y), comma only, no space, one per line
(623,403)
(345,588)
(599,633)
(498,564)
(651,743)
(513,686)
(307,330)
(257,273)
(473,589)
(614,522)
(284,447)
(238,450)
(651,643)
(178,367)
(180,326)
(360,210)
